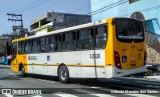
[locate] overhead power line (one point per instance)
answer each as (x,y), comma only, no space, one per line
(87,6)
(25,6)
(113,5)
(31,5)
(120,2)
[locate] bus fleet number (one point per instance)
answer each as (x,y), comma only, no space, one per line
(94,56)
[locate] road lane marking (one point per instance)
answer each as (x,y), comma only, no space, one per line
(140,95)
(46,81)
(85,91)
(37,96)
(61,94)
(102,95)
(95,87)
(11,73)
(8,95)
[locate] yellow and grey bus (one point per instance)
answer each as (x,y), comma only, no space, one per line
(109,48)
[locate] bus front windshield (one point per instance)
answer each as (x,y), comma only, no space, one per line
(129,29)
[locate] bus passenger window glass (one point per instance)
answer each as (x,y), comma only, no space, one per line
(47,44)
(42,40)
(28,46)
(55,43)
(101,36)
(14,50)
(35,42)
(90,40)
(47,40)
(58,39)
(20,47)
(83,34)
(35,46)
(53,39)
(85,39)
(23,47)
(42,49)
(69,41)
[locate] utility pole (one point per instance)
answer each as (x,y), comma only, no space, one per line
(17,18)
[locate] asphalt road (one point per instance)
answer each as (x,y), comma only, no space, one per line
(51,87)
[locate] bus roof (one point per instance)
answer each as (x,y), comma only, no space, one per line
(63,30)
(70,28)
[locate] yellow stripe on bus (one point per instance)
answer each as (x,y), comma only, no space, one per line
(83,65)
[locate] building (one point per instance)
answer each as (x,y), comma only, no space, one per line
(5,44)
(145,10)
(54,20)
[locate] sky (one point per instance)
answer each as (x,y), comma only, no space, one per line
(32,9)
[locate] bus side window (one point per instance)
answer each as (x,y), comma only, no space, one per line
(53,43)
(68,40)
(38,44)
(101,36)
(20,47)
(35,46)
(28,46)
(14,50)
(23,47)
(58,39)
(81,41)
(85,39)
(42,48)
(90,40)
(47,44)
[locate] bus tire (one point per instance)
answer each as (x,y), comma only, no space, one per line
(63,74)
(22,72)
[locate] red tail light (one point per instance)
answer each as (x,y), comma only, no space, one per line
(117,60)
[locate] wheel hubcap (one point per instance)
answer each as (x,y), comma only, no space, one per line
(63,74)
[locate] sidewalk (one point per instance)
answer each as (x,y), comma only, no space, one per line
(154,76)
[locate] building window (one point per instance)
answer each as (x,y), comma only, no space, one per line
(152,26)
(132,1)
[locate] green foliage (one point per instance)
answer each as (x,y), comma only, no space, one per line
(44,27)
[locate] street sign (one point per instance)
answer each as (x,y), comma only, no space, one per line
(55,17)
(49,16)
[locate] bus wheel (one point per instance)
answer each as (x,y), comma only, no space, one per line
(63,74)
(23,72)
